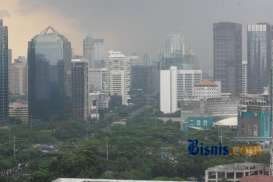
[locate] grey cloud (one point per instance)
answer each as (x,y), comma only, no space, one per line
(141,25)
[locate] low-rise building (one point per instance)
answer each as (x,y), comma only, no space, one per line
(100,180)
(234,172)
(257,178)
(206,89)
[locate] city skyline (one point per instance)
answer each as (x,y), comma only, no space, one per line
(128,25)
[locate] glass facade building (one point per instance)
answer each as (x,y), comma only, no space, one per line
(4,54)
(227,49)
(258,56)
(49,75)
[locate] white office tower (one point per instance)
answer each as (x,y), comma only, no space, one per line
(97,80)
(244,77)
(186,80)
(18,77)
(174,46)
(118,69)
(168,90)
(93,50)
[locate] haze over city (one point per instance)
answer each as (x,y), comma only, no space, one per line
(136,90)
(132,26)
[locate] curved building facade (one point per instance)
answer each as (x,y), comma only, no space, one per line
(49,75)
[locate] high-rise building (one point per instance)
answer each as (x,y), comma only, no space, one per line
(244,77)
(87,48)
(93,50)
(173,52)
(119,75)
(259,45)
(186,79)
(18,77)
(168,90)
(145,79)
(10,56)
(97,79)
(227,49)
(174,46)
(177,85)
(4,101)
(80,89)
(49,75)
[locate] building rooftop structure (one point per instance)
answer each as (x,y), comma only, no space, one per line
(206,83)
(257,178)
(227,122)
(116,54)
(234,172)
(100,180)
(237,166)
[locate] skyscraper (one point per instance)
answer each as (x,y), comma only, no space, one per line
(93,50)
(176,85)
(97,79)
(119,75)
(244,77)
(49,75)
(87,49)
(3,72)
(168,90)
(174,46)
(18,77)
(259,47)
(80,89)
(173,52)
(227,55)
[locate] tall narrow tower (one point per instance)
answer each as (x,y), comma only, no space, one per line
(227,56)
(3,72)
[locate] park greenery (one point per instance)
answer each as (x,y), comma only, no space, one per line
(143,148)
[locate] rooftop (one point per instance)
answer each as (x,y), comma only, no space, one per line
(207,83)
(231,121)
(116,54)
(257,178)
(237,166)
(100,180)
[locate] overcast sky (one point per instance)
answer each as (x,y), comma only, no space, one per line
(129,25)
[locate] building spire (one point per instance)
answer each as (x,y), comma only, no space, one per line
(48,30)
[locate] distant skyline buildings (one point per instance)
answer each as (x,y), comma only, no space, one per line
(168,90)
(93,50)
(174,46)
(177,85)
(259,56)
(79,69)
(227,56)
(49,75)
(18,77)
(4,62)
(119,76)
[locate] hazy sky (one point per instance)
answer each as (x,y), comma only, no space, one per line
(129,25)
